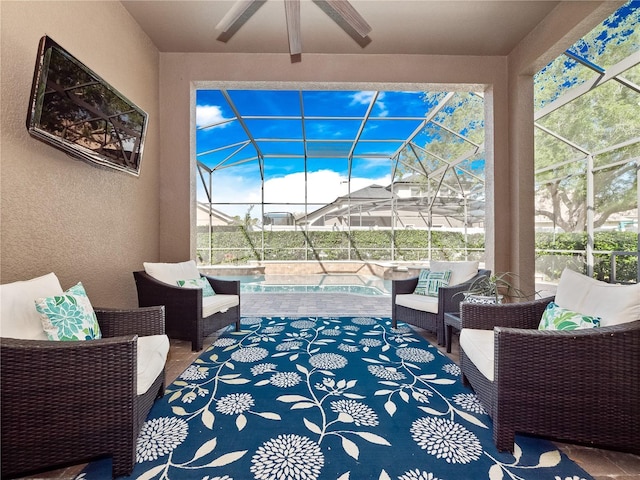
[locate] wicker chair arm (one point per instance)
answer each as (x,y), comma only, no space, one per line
(59,399)
(559,341)
(530,360)
(401,287)
(80,347)
(141,321)
(34,370)
(224,287)
(524,315)
(153,292)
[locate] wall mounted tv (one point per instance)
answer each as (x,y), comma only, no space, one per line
(76,111)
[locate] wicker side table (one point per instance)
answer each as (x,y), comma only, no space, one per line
(451,321)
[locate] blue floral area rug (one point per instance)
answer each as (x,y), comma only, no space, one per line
(328,398)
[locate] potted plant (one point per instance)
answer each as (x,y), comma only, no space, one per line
(493,289)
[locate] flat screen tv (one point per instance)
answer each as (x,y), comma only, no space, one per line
(76,111)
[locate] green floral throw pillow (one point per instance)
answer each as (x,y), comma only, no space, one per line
(430,282)
(557,318)
(69,316)
(201,282)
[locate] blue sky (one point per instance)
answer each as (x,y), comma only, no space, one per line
(330,141)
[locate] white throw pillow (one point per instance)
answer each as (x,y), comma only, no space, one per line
(18,315)
(460,271)
(614,304)
(172,272)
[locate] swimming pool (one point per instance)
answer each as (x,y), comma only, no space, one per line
(317,283)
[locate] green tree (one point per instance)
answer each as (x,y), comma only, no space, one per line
(606,116)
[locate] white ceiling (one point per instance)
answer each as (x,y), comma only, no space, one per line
(473,27)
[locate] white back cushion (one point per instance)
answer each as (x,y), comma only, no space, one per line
(614,304)
(460,271)
(18,315)
(172,272)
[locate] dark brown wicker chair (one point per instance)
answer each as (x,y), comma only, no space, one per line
(581,386)
(448,301)
(184,319)
(66,403)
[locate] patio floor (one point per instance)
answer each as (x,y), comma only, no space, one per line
(601,464)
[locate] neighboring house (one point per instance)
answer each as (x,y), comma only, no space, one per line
(406,201)
(218,218)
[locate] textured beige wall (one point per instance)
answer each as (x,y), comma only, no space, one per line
(57,213)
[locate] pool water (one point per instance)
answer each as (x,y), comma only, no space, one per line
(319,283)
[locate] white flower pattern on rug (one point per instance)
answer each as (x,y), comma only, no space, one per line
(446,439)
(159,437)
(194,373)
(469,402)
(412,354)
(250,354)
(357,412)
(285,379)
(288,457)
(417,475)
(235,404)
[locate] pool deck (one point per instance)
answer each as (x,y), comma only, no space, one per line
(325,304)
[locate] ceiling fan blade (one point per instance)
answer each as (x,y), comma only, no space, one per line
(236,17)
(292,10)
(343,13)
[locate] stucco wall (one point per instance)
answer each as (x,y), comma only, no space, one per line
(60,214)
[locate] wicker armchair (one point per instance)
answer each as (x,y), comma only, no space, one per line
(65,403)
(448,301)
(581,386)
(184,319)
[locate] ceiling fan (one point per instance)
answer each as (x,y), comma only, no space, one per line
(340,11)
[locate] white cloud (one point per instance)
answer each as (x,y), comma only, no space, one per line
(364,98)
(208,115)
(324,186)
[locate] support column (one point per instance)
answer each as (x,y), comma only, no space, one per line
(521,179)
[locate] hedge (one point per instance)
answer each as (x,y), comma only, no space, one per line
(553,251)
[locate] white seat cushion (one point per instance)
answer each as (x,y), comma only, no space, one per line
(18,315)
(152,356)
(172,272)
(614,304)
(478,346)
(460,271)
(218,303)
(424,303)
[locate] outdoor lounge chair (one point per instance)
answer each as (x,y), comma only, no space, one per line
(189,314)
(67,402)
(426,311)
(580,385)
